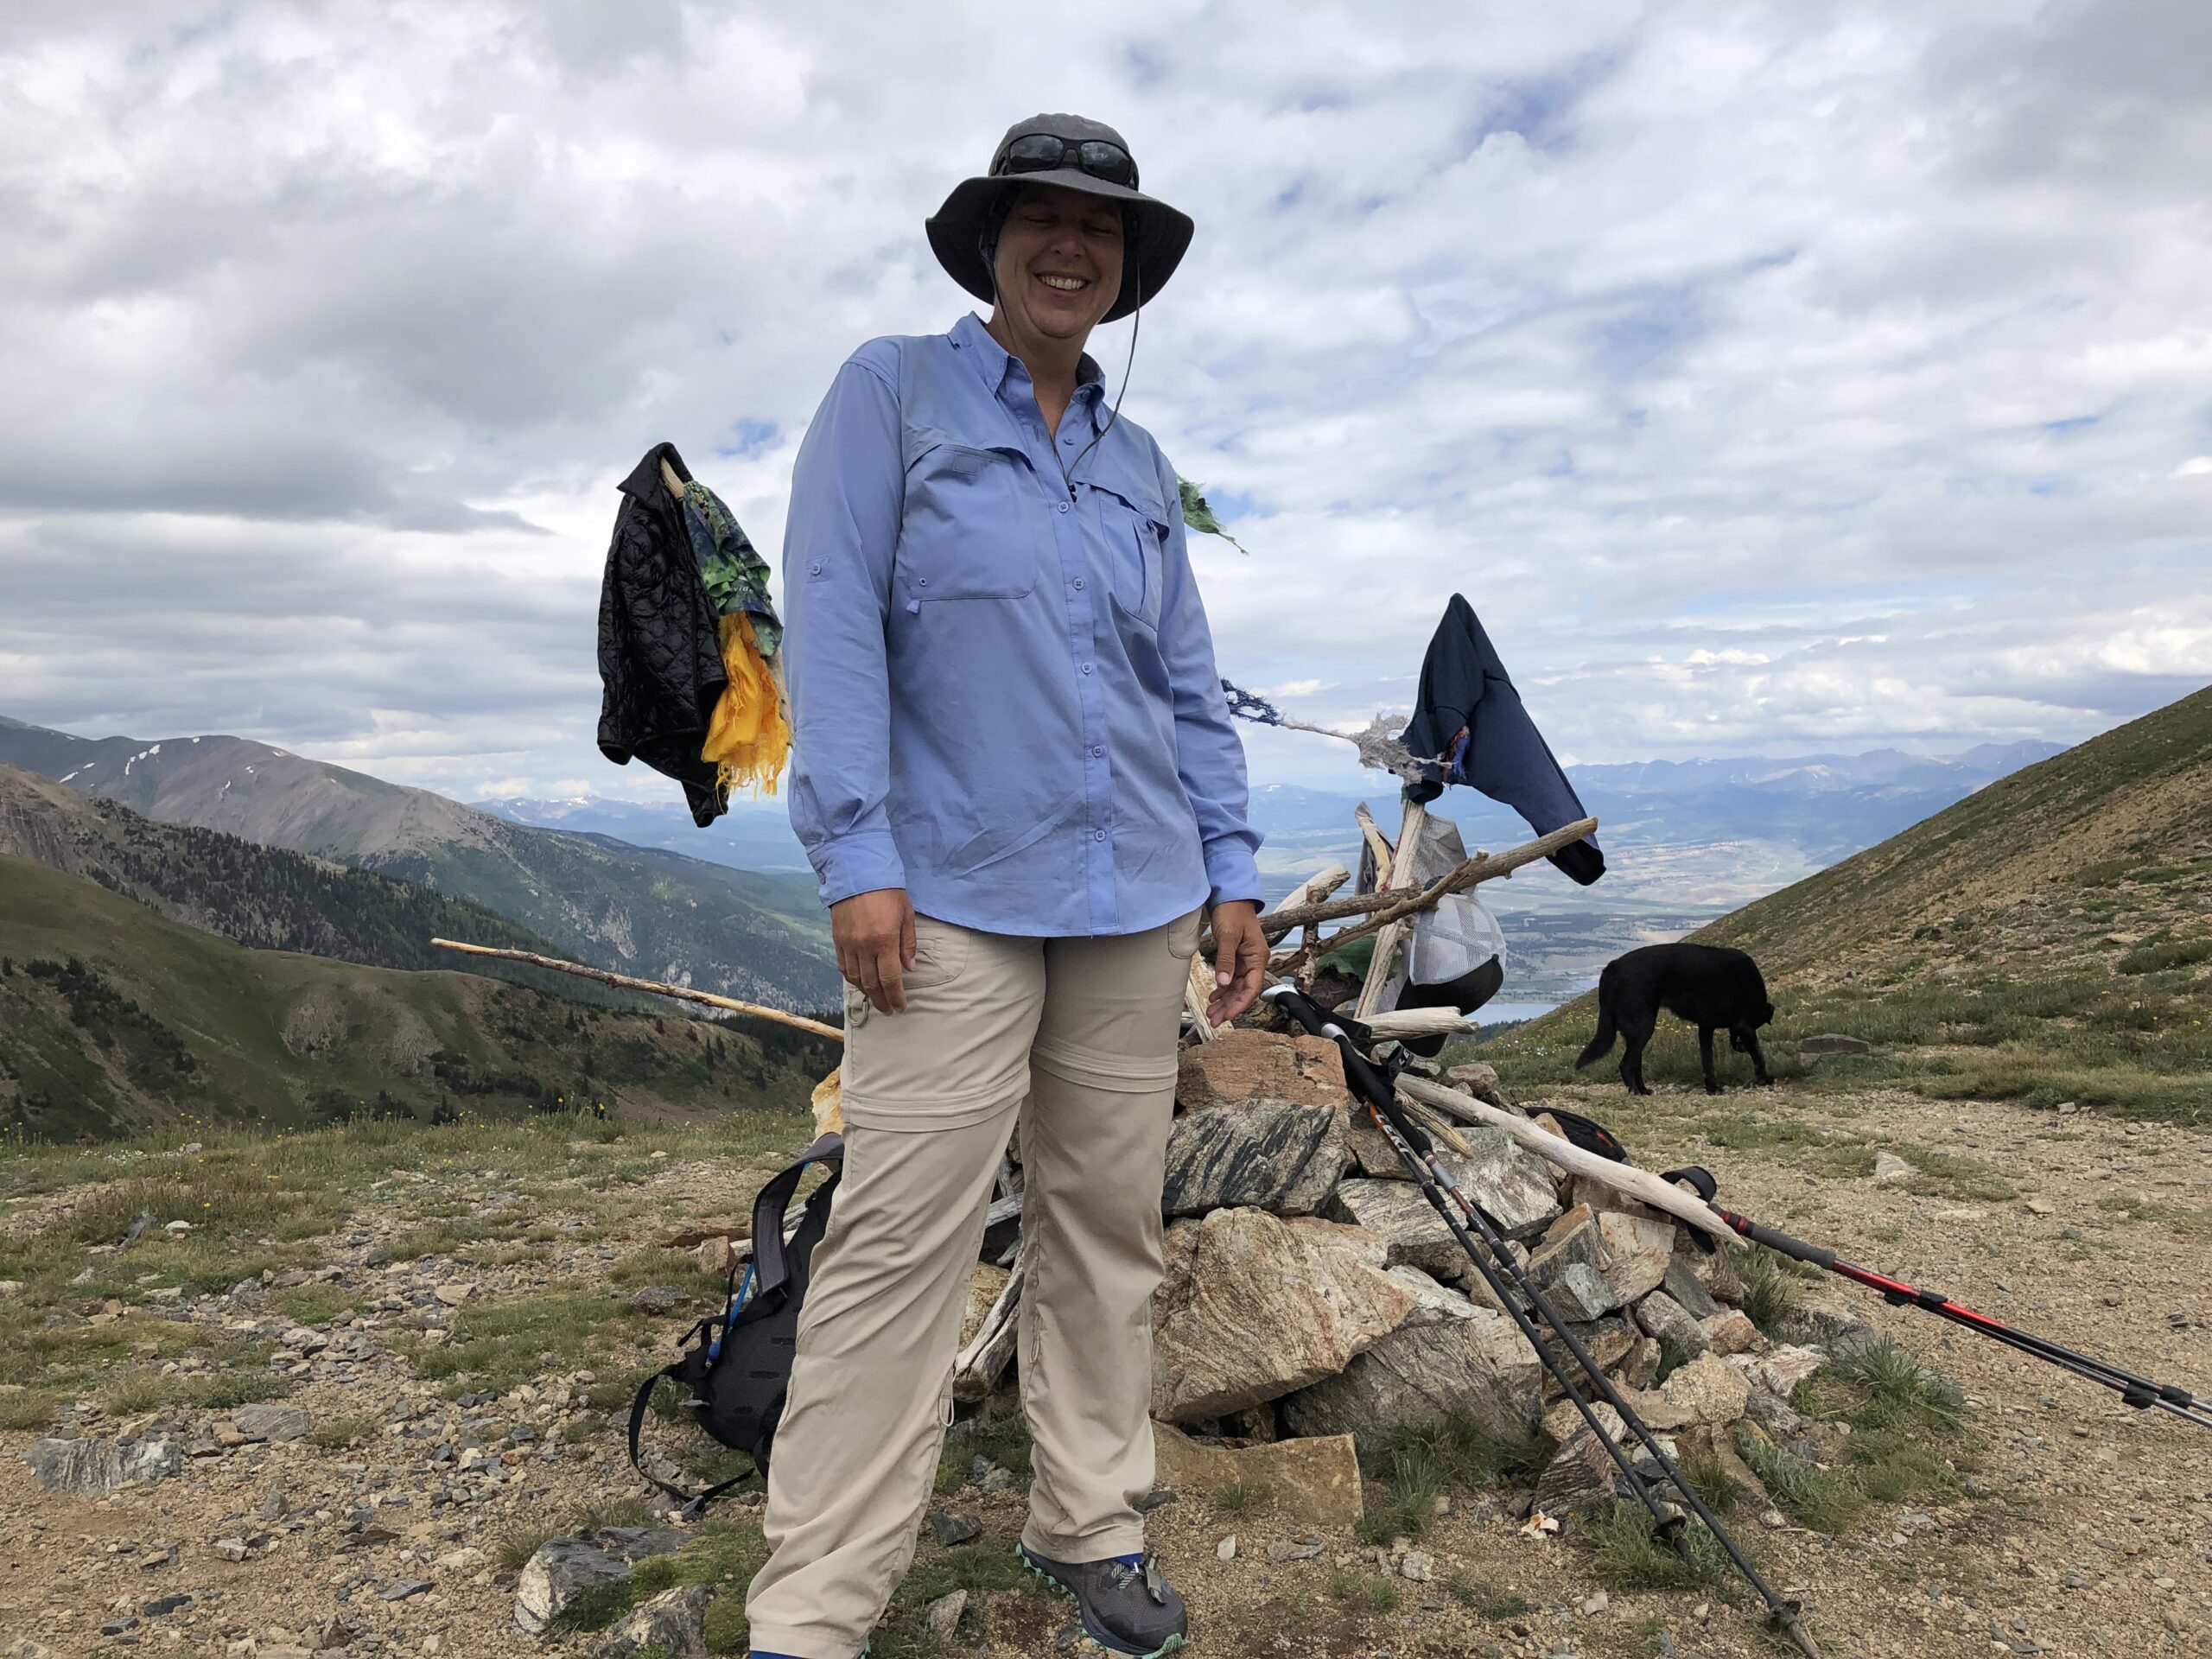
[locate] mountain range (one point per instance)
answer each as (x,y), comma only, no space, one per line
(1759,822)
(1685,841)
(638,886)
(641,909)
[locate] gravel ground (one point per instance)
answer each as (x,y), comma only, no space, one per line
(2096,1536)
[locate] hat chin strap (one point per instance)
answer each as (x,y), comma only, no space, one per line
(986,244)
(1136,282)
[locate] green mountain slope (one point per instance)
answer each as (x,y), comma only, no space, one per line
(639,911)
(2047,939)
(114,1018)
(260,896)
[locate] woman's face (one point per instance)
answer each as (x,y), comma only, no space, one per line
(1058,264)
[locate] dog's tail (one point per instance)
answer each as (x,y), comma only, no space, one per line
(1602,1043)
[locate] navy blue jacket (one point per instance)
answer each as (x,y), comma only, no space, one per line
(1462,684)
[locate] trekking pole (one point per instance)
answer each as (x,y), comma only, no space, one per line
(1413,1145)
(2137,1391)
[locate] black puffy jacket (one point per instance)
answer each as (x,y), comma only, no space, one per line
(660,661)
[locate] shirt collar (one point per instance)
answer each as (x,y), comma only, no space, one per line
(994,362)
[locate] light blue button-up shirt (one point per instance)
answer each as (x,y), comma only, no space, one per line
(1003,689)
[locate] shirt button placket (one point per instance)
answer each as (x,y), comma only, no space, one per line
(1091,697)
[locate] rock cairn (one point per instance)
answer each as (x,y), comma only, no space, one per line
(1309,1291)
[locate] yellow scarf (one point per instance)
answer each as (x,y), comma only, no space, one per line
(748,737)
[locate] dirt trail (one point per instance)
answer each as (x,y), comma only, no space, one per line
(2096,1536)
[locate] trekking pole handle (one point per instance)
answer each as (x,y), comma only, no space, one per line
(1760,1233)
(1368,1081)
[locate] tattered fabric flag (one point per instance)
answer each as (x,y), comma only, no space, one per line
(1249,705)
(1200,517)
(1380,749)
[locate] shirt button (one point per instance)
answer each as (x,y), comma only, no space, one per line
(1098,750)
(921,582)
(1064,506)
(1086,668)
(1078,584)
(1098,835)
(813,569)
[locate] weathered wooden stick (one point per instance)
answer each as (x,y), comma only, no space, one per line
(1403,861)
(1482,867)
(1440,1126)
(682,993)
(1198,991)
(1376,844)
(1399,1024)
(979,1365)
(1639,1184)
(1316,888)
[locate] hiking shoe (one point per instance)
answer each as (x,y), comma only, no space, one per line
(1125,1604)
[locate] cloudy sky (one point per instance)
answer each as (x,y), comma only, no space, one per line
(1772,378)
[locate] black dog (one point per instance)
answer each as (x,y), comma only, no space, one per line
(1713,988)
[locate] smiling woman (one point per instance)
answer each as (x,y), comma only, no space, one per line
(1016,778)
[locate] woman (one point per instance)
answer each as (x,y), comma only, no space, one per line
(1016,778)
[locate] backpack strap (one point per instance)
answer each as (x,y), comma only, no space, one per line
(1697,1177)
(693,1503)
(771,1269)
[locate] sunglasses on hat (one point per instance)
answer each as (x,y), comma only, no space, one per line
(1040,152)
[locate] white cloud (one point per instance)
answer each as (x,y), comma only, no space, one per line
(1773,377)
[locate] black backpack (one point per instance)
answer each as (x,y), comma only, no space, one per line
(738,1367)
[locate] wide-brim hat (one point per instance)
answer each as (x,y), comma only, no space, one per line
(1159,236)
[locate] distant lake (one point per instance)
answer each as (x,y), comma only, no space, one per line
(1492,1014)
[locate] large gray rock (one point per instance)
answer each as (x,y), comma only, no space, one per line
(1581,1294)
(1570,1240)
(1607,1341)
(90,1468)
(1707,1390)
(1450,1358)
(1582,1477)
(1513,1185)
(1637,1250)
(1683,1286)
(1252,1306)
(1396,1212)
(1477,1079)
(1665,1321)
(1270,1154)
(564,1568)
(1837,1331)
(673,1622)
(1830,1044)
(270,1420)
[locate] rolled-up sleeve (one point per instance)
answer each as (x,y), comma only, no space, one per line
(1208,755)
(847,488)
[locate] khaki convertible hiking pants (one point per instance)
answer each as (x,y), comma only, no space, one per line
(1076,1038)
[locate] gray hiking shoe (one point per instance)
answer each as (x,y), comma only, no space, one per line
(1124,1608)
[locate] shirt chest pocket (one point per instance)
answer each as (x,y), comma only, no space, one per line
(970,528)
(1134,530)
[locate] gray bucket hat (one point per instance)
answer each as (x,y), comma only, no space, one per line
(1090,157)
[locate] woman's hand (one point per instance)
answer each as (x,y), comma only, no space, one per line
(1239,957)
(874,933)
